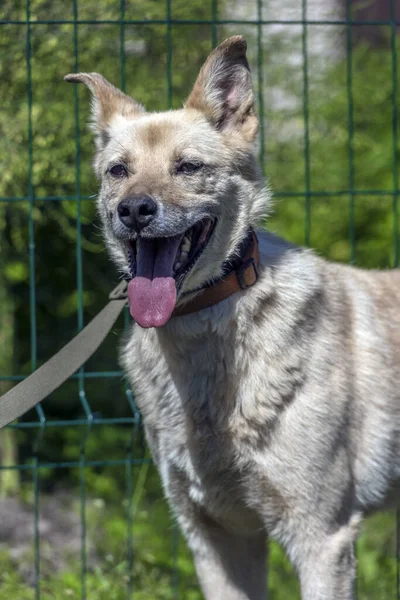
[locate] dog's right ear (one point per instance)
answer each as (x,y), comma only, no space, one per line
(108,101)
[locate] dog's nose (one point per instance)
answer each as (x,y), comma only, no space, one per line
(136,213)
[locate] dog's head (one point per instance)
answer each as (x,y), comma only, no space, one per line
(179,189)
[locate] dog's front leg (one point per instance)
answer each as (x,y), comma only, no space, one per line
(327,567)
(229,567)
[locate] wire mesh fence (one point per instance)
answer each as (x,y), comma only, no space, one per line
(327,98)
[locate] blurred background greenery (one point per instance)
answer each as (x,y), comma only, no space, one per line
(83,514)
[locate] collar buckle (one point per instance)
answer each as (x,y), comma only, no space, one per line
(242,273)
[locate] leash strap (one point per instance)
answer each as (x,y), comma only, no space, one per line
(241,274)
(62,365)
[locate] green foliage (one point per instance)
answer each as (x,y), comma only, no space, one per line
(332,218)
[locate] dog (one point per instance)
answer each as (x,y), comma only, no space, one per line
(267,377)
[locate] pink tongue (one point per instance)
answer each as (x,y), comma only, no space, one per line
(152,293)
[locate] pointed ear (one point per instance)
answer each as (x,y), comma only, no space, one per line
(223,89)
(107,102)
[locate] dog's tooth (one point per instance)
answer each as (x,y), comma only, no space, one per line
(177,265)
(186,244)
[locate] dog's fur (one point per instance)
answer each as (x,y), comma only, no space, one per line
(277,410)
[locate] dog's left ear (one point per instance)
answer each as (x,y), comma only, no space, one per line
(223,89)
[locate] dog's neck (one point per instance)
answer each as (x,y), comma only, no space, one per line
(221,317)
(239,273)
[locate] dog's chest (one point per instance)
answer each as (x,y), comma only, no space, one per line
(203,422)
(203,466)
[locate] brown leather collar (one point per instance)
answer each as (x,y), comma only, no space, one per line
(241,276)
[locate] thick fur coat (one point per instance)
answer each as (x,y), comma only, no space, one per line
(277,411)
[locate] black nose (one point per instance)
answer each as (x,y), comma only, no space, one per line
(136,213)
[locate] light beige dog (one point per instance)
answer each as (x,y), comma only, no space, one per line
(276,410)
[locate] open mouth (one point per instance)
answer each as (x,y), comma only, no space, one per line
(158,267)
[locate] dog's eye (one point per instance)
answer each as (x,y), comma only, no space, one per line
(119,171)
(188,168)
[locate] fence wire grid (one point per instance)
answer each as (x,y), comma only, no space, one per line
(32,439)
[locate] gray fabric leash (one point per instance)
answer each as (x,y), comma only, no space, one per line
(62,365)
